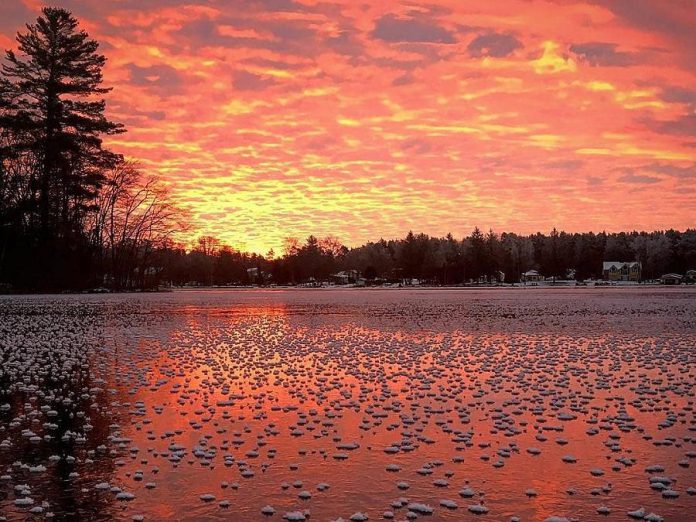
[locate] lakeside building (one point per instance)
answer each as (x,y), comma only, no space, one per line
(531,276)
(257,276)
(345,277)
(671,279)
(621,271)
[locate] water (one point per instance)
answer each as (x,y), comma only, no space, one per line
(242,395)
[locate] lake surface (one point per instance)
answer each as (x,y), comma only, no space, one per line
(327,404)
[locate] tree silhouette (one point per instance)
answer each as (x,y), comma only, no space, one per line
(52,117)
(47,93)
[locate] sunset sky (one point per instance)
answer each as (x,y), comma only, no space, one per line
(362,120)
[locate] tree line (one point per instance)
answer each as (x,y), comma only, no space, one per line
(75,215)
(445,260)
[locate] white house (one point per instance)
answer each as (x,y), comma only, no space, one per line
(531,276)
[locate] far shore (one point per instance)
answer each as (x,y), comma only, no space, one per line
(346,288)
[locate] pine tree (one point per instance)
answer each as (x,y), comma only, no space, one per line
(48,96)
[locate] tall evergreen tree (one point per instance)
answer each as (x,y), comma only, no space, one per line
(48,95)
(52,111)
(476,255)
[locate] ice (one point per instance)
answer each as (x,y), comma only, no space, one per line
(449,504)
(467,492)
(422,509)
(340,400)
(653,517)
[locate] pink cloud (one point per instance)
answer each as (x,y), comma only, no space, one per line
(290,118)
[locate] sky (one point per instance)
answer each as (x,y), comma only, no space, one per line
(277,118)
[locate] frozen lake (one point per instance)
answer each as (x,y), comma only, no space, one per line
(326,404)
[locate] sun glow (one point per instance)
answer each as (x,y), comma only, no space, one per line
(361,123)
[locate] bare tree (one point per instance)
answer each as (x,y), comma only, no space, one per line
(291,246)
(208,245)
(332,246)
(135,218)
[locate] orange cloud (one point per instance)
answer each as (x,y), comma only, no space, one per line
(271,119)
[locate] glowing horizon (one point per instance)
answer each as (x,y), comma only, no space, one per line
(284,118)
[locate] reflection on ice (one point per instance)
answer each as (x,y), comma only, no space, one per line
(451,405)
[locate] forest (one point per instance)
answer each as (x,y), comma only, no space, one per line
(76,216)
(477,257)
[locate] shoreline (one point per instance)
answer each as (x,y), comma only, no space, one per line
(448,288)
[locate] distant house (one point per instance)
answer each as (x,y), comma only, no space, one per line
(531,276)
(671,279)
(621,270)
(345,277)
(257,276)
